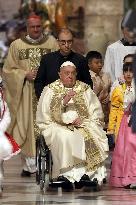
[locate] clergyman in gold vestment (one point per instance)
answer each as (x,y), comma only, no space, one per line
(70,118)
(19,72)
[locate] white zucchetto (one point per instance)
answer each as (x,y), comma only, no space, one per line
(66,63)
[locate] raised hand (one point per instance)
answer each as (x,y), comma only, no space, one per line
(77,122)
(68,97)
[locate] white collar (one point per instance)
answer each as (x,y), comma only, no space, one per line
(34,40)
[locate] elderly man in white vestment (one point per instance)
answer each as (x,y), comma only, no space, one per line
(70,118)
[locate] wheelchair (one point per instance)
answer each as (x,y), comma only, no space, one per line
(43,164)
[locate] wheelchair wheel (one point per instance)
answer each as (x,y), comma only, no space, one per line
(42,175)
(47,181)
(38,162)
(48,174)
(45,174)
(43,164)
(50,164)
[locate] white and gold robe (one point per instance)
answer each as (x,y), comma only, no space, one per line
(24,56)
(60,136)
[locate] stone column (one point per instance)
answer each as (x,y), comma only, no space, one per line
(102,23)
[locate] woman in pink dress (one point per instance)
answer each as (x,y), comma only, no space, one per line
(123,169)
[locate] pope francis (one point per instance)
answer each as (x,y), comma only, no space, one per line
(70,118)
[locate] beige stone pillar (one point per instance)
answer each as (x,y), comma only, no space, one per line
(102,23)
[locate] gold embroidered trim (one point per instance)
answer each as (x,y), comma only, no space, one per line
(60,91)
(34,104)
(77,163)
(34,55)
(56,109)
(93,155)
(80,106)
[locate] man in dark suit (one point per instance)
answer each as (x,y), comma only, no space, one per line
(50,63)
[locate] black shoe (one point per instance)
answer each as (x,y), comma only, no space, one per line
(25,173)
(78,185)
(66,184)
(89,183)
(85,177)
(83,182)
(104,181)
(95,183)
(92,185)
(127,186)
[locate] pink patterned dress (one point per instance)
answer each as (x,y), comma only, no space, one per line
(123,169)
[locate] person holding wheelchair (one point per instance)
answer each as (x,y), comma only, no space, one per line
(70,118)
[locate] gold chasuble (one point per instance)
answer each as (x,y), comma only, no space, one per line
(24,55)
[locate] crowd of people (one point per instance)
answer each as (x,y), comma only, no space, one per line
(74,101)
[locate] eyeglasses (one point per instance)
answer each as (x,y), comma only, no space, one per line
(63,42)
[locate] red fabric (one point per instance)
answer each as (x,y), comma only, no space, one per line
(15,146)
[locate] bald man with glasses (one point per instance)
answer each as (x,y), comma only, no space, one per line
(50,63)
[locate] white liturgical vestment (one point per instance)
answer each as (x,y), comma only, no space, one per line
(114,56)
(73,147)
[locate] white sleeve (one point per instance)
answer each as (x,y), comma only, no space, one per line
(129,98)
(43,114)
(109,64)
(4,123)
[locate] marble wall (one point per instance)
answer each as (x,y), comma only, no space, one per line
(102,23)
